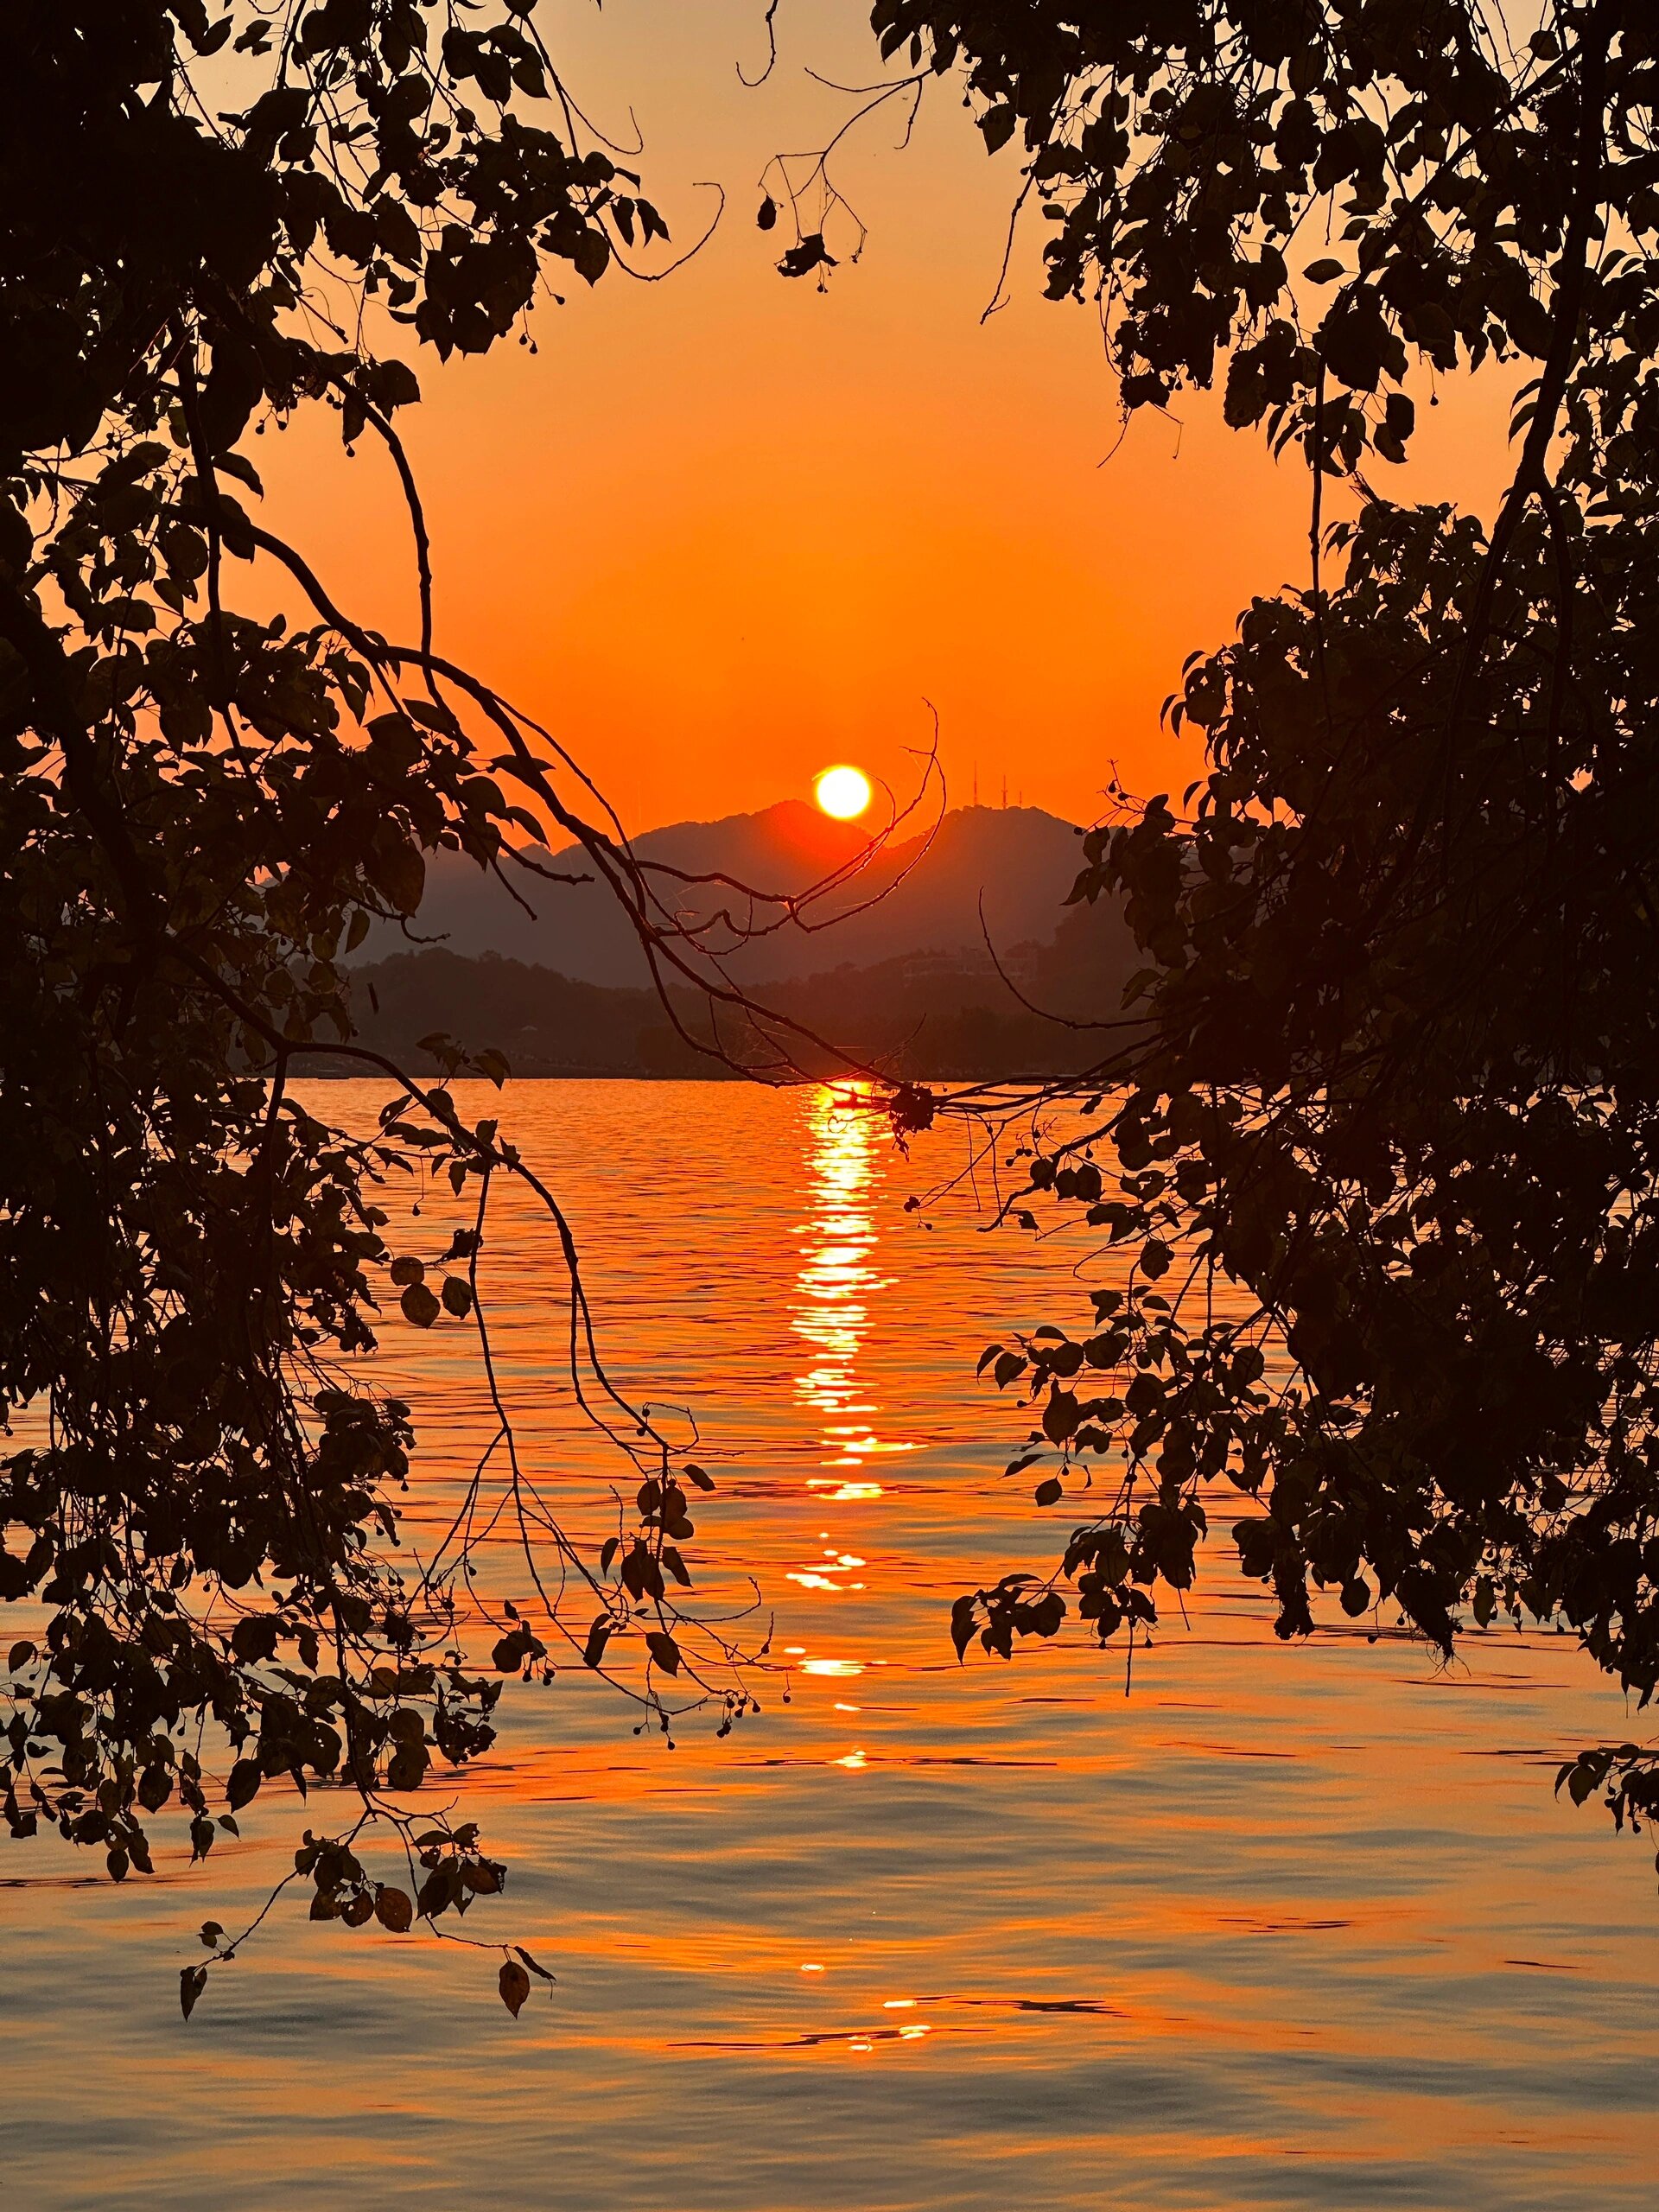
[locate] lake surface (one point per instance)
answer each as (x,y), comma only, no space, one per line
(1285,1927)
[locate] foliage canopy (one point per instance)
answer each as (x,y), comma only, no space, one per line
(215,219)
(1387,1138)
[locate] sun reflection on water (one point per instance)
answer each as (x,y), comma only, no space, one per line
(838,1280)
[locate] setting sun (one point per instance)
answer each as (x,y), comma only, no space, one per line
(844,793)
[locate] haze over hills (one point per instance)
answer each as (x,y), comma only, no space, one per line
(1018,861)
(890,968)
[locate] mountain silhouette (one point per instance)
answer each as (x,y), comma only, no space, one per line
(1014,865)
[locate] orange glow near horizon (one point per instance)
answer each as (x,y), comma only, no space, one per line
(717,531)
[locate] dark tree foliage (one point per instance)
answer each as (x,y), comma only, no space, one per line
(212,216)
(1386,1155)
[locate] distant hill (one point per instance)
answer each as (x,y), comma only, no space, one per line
(924,1016)
(1019,861)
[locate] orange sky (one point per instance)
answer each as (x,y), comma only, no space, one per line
(721,530)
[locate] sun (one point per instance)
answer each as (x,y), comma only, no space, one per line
(843,792)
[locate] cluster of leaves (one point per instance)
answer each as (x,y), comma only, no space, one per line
(1385,1110)
(1399,1088)
(447,1872)
(203,812)
(1317,193)
(363,154)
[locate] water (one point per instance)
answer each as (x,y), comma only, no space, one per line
(1286,1928)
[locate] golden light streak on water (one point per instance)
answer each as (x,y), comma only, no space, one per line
(1298,1929)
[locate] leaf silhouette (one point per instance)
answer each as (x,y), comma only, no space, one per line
(811,254)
